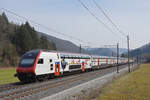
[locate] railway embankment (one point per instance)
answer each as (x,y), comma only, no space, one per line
(89,90)
(134,86)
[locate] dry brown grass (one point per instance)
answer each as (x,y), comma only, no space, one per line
(134,86)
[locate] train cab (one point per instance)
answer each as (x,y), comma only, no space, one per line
(27,64)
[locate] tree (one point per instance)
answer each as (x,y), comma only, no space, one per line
(15,40)
(45,44)
(33,35)
(53,46)
(5,17)
(22,40)
(9,55)
(3,27)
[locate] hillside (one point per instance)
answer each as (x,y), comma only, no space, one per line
(101,51)
(121,50)
(62,45)
(142,52)
(106,51)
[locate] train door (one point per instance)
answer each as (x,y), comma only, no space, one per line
(98,63)
(106,62)
(57,68)
(113,62)
(83,66)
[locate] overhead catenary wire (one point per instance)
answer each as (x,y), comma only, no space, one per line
(48,28)
(94,16)
(45,27)
(111,21)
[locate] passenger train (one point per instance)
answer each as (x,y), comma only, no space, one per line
(40,64)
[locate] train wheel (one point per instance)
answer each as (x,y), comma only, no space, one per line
(24,79)
(52,76)
(21,78)
(38,78)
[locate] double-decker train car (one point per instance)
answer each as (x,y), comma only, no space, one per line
(40,64)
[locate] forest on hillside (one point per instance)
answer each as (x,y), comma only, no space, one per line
(15,40)
(142,53)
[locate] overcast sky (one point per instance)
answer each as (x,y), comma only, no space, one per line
(69,17)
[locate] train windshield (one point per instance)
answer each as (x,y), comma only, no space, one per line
(28,59)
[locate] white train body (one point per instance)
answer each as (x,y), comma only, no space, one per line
(47,63)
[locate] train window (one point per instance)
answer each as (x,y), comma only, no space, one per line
(50,60)
(27,62)
(51,66)
(40,61)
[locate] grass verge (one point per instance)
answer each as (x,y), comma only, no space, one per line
(7,75)
(134,86)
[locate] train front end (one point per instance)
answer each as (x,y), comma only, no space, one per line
(26,68)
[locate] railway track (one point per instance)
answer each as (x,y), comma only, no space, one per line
(11,86)
(20,91)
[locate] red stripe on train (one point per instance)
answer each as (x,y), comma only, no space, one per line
(36,61)
(24,70)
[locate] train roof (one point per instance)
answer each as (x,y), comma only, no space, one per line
(69,54)
(61,52)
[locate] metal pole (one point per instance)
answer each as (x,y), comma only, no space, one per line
(128,53)
(117,57)
(80,49)
(137,56)
(132,60)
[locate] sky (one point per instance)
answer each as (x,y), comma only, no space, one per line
(70,18)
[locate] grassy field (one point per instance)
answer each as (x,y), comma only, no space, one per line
(7,75)
(134,86)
